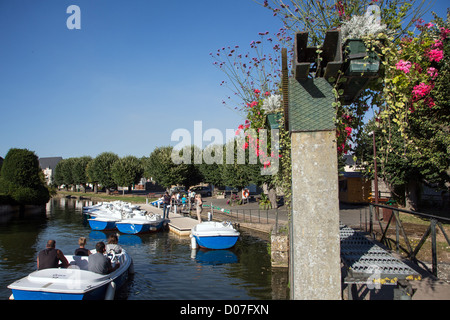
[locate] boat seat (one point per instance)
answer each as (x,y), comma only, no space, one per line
(79,261)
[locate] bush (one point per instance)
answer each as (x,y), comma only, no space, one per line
(21,167)
(21,178)
(34,196)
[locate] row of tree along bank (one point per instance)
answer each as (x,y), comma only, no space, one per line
(110,171)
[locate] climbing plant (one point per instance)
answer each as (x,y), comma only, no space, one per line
(414,119)
(399,97)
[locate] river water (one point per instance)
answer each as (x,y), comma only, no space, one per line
(165,266)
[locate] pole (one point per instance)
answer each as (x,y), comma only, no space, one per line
(375,167)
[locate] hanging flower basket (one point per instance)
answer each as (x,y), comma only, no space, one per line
(273,120)
(360,62)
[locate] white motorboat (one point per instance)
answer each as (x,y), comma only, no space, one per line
(73,283)
(215,235)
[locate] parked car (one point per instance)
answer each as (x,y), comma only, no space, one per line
(204,191)
(177,189)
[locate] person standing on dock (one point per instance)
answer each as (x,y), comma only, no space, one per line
(199,202)
(166,204)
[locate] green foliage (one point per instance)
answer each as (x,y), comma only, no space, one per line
(161,168)
(58,177)
(211,172)
(33,196)
(100,169)
(79,172)
(317,17)
(67,171)
(21,179)
(127,171)
(414,121)
(265,203)
(21,167)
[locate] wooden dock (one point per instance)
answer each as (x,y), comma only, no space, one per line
(178,223)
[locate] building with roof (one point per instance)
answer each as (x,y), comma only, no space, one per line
(48,166)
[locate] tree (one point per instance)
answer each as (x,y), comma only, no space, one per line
(244,169)
(91,175)
(66,171)
(127,171)
(414,121)
(193,175)
(162,169)
(211,166)
(58,178)
(22,179)
(317,17)
(100,169)
(79,173)
(394,169)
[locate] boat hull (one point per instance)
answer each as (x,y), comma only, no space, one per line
(216,242)
(97,294)
(75,283)
(215,235)
(139,227)
(103,225)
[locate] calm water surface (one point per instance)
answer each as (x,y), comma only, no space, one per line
(165,266)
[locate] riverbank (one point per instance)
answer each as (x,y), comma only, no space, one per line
(138,198)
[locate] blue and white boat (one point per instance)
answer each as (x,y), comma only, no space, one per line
(157,203)
(114,208)
(141,224)
(73,283)
(215,235)
(103,223)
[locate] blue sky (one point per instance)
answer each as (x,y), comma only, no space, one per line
(135,71)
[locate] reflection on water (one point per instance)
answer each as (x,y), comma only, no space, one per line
(165,265)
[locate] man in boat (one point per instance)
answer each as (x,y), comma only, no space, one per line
(98,262)
(50,257)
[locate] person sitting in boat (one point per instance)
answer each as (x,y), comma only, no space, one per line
(113,245)
(50,257)
(82,251)
(98,262)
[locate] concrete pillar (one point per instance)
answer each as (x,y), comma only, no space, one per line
(315,244)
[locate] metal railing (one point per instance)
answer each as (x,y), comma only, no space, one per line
(435,222)
(263,216)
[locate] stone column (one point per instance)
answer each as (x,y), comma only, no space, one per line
(315,243)
(314,235)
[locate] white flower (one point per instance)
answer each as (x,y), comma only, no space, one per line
(271,103)
(359,26)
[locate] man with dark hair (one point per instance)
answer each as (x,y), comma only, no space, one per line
(98,262)
(50,257)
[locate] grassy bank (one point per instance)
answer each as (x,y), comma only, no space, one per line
(101,196)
